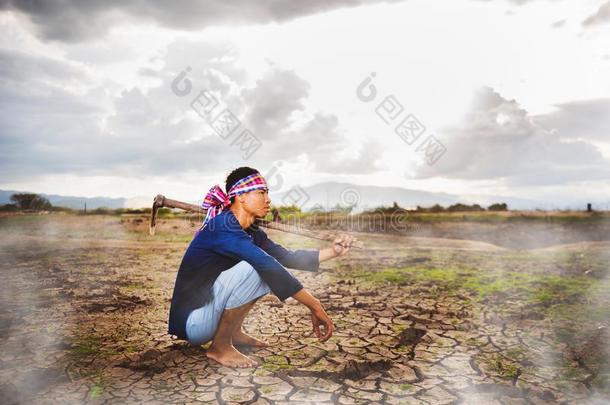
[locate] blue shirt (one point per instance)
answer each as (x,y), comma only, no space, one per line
(219,246)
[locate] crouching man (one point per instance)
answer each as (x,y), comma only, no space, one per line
(231,263)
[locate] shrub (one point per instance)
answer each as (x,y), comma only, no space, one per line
(31,201)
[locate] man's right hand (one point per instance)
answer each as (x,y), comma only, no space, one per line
(320,318)
(318,315)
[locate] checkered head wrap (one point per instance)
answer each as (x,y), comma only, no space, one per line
(216,200)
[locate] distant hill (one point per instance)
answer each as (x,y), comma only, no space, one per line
(330,194)
(326,195)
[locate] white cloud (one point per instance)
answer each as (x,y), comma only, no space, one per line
(584,119)
(153,132)
(498,139)
(602,16)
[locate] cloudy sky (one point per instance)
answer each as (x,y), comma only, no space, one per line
(134,98)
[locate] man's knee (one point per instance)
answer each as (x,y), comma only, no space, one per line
(240,273)
(243,281)
(245,271)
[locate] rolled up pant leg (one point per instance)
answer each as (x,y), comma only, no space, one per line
(233,288)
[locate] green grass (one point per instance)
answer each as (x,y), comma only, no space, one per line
(502,367)
(514,353)
(398,328)
(593,312)
(543,289)
(98,384)
(276,363)
(573,372)
(96,391)
(161,386)
(136,287)
(21,219)
(88,346)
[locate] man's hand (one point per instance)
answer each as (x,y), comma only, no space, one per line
(318,315)
(320,318)
(342,244)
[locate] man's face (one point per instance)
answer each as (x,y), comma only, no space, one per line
(257,202)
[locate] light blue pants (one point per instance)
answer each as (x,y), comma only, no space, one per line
(233,288)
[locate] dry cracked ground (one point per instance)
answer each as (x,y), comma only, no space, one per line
(418,321)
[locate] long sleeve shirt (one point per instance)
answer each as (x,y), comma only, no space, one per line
(219,246)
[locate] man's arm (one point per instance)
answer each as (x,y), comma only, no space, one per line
(319,317)
(326,254)
(240,246)
(307,260)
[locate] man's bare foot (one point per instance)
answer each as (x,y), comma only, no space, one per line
(229,356)
(240,338)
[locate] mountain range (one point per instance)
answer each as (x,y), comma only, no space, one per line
(326,195)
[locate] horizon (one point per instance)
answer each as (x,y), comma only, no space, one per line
(352,201)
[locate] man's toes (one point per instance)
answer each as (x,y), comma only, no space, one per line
(249,362)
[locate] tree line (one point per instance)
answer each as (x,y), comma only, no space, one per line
(36,202)
(27,202)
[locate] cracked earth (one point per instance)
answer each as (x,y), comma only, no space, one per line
(85,303)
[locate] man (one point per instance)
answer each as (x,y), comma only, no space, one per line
(231,263)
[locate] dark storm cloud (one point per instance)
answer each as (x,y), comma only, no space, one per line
(76,20)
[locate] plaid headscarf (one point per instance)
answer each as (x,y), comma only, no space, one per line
(216,200)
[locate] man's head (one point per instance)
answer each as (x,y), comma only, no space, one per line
(255,202)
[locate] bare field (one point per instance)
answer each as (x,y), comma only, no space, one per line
(500,314)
